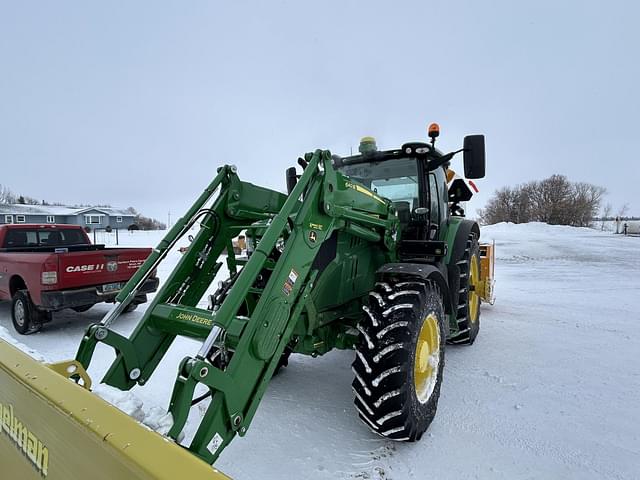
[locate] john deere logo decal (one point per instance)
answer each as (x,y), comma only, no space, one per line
(191,317)
(312,236)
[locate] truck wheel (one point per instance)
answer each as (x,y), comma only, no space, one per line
(82,308)
(137,300)
(216,361)
(283,362)
(130,308)
(400,358)
(25,316)
(468,316)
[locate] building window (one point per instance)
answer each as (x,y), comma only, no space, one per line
(20,219)
(119,219)
(93,219)
(8,219)
(51,219)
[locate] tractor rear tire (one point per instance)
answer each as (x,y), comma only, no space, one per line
(468,313)
(400,358)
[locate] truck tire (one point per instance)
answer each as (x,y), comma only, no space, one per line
(130,308)
(24,314)
(400,358)
(82,308)
(216,300)
(215,359)
(468,313)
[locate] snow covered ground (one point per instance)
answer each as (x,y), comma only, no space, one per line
(550,389)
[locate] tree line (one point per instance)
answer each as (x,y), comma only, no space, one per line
(8,197)
(146,223)
(554,200)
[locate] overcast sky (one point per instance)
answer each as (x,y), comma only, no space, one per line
(137,103)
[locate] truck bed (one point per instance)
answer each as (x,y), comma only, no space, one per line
(55,267)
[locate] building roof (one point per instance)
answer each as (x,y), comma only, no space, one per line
(20,209)
(107,211)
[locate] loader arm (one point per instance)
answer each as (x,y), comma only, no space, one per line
(323,201)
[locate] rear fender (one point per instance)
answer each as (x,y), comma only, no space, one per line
(457,235)
(16,283)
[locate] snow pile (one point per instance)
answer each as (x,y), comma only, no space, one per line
(7,337)
(154,417)
(539,242)
(126,401)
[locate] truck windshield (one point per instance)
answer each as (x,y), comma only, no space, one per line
(396,180)
(25,237)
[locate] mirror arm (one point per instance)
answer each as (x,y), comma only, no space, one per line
(442,159)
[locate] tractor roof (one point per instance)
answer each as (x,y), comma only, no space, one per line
(418,150)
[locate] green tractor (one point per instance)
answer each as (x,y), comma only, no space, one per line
(369,252)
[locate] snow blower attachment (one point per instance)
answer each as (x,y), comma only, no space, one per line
(369,252)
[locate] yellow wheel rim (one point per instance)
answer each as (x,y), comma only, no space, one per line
(474,289)
(427,358)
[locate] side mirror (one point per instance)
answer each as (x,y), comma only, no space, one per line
(474,159)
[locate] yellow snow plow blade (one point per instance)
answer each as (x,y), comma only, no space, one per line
(52,428)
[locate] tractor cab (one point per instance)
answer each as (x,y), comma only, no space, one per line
(415,179)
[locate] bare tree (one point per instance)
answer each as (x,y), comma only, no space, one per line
(622,211)
(6,195)
(606,214)
(586,199)
(554,200)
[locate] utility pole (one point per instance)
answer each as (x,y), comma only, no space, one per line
(169,219)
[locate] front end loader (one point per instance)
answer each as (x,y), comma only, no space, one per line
(369,252)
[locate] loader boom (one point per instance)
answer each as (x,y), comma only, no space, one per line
(293,228)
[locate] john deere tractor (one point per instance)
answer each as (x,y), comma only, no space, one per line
(369,252)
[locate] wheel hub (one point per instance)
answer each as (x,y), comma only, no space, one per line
(427,358)
(474,288)
(19,313)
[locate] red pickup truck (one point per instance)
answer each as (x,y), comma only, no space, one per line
(46,268)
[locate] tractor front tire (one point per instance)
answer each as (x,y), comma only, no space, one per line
(468,312)
(400,358)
